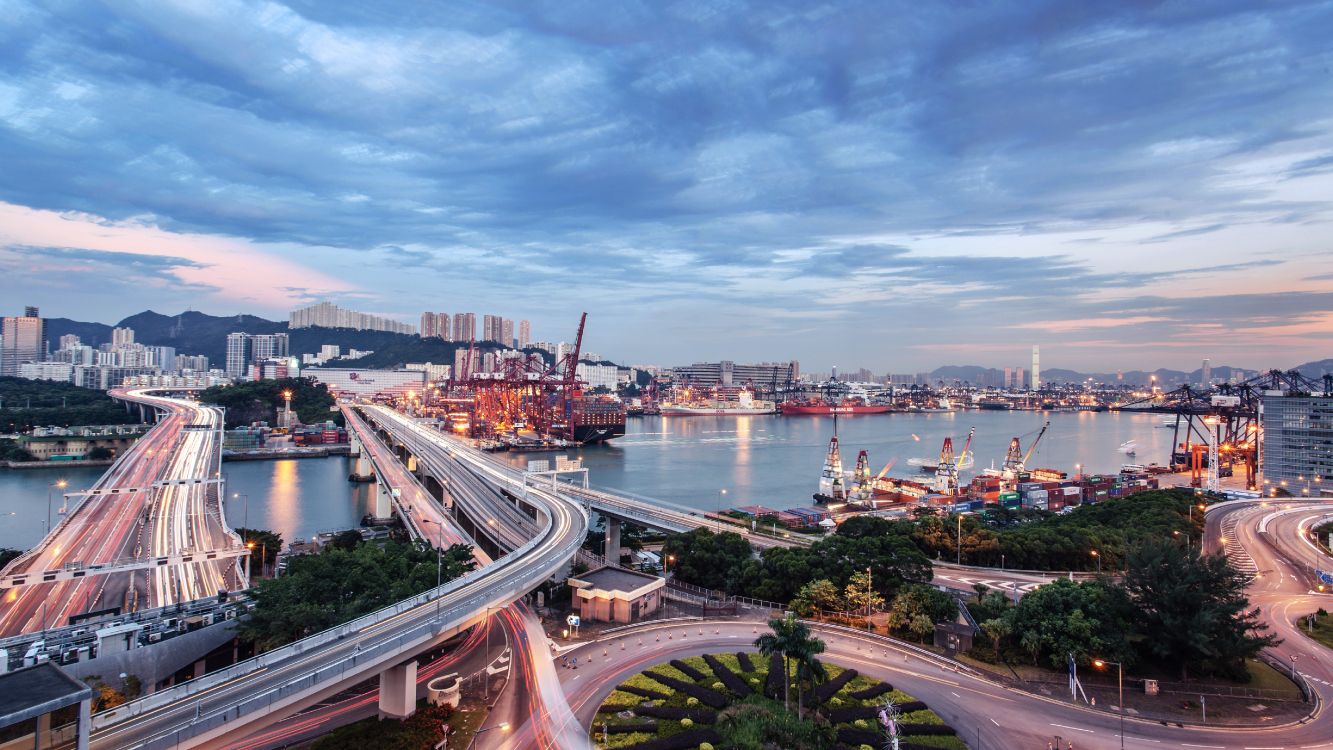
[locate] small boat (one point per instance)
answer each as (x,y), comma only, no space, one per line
(1128,447)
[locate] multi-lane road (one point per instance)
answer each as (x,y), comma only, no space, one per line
(160,499)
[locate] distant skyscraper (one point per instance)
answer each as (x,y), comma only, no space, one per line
(443,327)
(122,336)
(507,332)
(465,327)
(238,354)
(69,341)
(1206,375)
(428,325)
(524,333)
(490,327)
(329,315)
(24,340)
(1036,367)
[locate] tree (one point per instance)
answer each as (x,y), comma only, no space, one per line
(1089,619)
(714,561)
(324,590)
(792,640)
(1193,610)
(919,603)
(98,453)
(860,597)
(998,628)
(808,669)
(266,543)
(817,595)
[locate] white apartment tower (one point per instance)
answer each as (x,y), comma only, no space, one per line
(1036,367)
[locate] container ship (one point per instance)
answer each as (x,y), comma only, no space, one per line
(821,406)
(995,403)
(745,404)
(596,419)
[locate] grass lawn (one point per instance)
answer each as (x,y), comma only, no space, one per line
(744,724)
(1323,629)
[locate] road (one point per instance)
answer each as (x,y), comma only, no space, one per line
(127,518)
(217,709)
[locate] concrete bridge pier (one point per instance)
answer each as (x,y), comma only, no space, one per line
(383,500)
(613,540)
(398,691)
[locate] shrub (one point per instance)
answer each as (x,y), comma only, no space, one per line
(656,695)
(691,701)
(860,724)
(687,722)
(728,678)
(705,746)
(718,686)
(687,740)
(754,681)
(705,695)
(831,688)
(873,691)
(689,671)
(744,660)
(921,729)
(697,715)
(648,727)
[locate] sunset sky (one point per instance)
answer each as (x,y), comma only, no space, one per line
(889,185)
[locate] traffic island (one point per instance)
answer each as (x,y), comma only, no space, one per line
(737,701)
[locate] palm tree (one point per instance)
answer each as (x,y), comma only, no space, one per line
(790,638)
(808,668)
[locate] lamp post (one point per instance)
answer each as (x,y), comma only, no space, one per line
(721,498)
(249,560)
(960,539)
(1098,557)
(1120,673)
(502,726)
(59,483)
(245,512)
(870,592)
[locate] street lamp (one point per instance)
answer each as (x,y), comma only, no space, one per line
(721,495)
(1120,673)
(959,550)
(58,484)
(1097,556)
(245,513)
(502,726)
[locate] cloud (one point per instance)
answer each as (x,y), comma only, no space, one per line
(959,173)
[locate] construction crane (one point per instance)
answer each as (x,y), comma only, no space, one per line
(946,472)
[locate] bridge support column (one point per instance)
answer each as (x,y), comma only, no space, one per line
(383,501)
(398,691)
(411,463)
(613,540)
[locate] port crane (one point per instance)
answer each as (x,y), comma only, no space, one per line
(1015,461)
(946,472)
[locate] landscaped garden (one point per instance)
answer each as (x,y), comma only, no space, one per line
(738,702)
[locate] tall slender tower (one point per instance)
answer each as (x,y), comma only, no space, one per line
(1036,367)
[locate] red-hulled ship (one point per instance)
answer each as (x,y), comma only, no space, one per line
(820,406)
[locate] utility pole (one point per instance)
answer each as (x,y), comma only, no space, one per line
(960,539)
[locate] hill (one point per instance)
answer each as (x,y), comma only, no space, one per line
(1317,369)
(39,403)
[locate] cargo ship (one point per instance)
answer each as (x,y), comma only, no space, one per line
(595,419)
(820,406)
(745,404)
(996,403)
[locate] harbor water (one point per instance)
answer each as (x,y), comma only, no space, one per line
(702,461)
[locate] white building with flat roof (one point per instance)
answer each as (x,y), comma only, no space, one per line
(366,382)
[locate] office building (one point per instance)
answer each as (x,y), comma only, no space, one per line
(524,333)
(761,376)
(329,315)
(1297,445)
(24,340)
(1036,367)
(465,327)
(1206,374)
(238,355)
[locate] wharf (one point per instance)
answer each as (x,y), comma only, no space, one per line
(271,454)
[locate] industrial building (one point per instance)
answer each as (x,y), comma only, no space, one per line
(366,382)
(1297,452)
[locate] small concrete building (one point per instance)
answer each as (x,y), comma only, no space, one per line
(30,695)
(610,594)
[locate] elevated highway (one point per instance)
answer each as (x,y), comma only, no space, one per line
(149,533)
(217,710)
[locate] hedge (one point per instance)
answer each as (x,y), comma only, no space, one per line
(859,737)
(698,715)
(689,671)
(656,695)
(687,740)
(925,729)
(744,659)
(831,688)
(847,715)
(872,691)
(733,681)
(707,696)
(649,727)
(773,687)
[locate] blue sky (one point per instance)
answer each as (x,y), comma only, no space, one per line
(890,185)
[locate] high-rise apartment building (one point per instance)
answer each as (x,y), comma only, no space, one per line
(436,325)
(24,340)
(1036,367)
(329,315)
(269,346)
(69,341)
(465,327)
(238,354)
(506,332)
(524,334)
(122,336)
(490,328)
(1297,445)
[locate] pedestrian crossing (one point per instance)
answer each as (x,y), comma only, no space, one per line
(1235,552)
(991,583)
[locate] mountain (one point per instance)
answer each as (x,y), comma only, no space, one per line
(1315,370)
(92,334)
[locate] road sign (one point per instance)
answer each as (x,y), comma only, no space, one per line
(573,621)
(1324,576)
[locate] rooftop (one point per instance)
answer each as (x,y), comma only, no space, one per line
(28,693)
(616,579)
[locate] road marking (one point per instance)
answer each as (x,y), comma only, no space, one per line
(996,723)
(1265,748)
(1216,747)
(956,695)
(1076,729)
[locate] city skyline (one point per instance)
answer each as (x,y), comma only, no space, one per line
(765,182)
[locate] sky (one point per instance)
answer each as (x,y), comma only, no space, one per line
(887,185)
